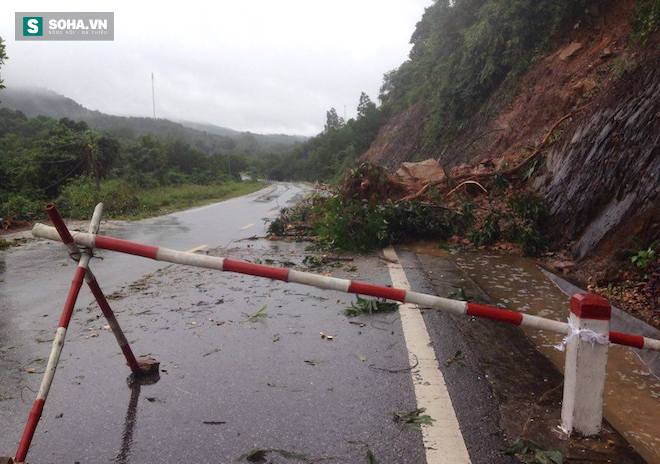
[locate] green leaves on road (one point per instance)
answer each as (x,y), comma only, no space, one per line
(366,306)
(257,316)
(531,453)
(415,418)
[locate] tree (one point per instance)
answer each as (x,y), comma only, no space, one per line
(3,57)
(333,122)
(365,107)
(100,154)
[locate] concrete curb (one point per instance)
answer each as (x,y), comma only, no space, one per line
(621,321)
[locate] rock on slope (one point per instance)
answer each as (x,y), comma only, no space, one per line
(601,168)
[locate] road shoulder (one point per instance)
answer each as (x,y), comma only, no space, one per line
(502,388)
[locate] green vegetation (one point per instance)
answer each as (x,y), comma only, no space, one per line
(489,232)
(206,138)
(464,50)
(326,156)
(531,453)
(3,57)
(528,223)
(363,306)
(124,200)
(415,418)
(646,20)
(524,221)
(358,225)
(644,258)
(355,219)
(119,161)
(260,314)
(463,53)
(43,159)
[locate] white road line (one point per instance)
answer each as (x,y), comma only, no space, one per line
(247,226)
(443,440)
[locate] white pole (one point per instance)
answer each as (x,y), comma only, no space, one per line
(585,366)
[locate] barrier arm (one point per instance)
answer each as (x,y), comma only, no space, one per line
(333,283)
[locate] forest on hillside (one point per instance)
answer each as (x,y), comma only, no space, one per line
(45,159)
(207,138)
(464,54)
(42,158)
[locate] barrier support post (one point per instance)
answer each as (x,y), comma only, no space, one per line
(141,366)
(585,366)
(53,359)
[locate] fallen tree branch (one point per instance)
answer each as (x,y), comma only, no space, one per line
(465,182)
(417,194)
(536,151)
(539,146)
(396,371)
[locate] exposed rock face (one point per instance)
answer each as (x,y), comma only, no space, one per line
(603,182)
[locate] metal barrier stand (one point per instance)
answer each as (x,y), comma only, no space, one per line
(146,367)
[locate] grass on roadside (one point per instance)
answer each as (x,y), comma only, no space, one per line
(169,199)
(125,201)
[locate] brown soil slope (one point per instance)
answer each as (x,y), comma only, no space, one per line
(598,167)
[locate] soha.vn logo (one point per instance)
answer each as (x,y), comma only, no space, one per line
(33,26)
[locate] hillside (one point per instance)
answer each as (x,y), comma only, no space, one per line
(538,125)
(581,119)
(205,137)
(262,139)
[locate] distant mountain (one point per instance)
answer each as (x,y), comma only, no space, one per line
(205,137)
(276,139)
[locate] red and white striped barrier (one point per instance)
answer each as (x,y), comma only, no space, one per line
(333,283)
(587,333)
(56,349)
(82,273)
(67,239)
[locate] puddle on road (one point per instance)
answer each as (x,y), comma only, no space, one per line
(632,392)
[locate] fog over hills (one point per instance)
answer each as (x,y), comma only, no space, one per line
(33,101)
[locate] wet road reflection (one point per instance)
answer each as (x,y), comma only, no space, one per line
(632,391)
(135,385)
(34,278)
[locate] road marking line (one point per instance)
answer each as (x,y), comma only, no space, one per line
(443,441)
(247,226)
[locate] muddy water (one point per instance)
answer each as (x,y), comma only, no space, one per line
(632,392)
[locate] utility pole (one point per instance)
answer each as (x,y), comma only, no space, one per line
(153,95)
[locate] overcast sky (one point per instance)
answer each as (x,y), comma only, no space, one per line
(261,65)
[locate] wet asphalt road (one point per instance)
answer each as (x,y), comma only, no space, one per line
(228,385)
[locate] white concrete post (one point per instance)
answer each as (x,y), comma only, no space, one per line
(586,364)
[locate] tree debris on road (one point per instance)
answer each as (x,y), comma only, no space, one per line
(415,418)
(367,306)
(257,316)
